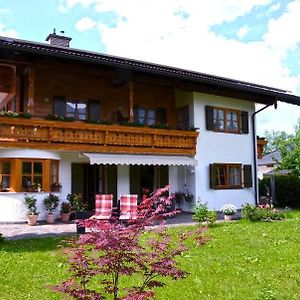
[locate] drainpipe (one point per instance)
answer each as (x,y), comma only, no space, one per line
(254,148)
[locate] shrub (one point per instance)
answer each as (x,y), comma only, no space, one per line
(261,213)
(203,215)
(2,239)
(112,251)
(287,188)
(76,202)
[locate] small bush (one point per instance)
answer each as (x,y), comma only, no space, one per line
(203,214)
(261,213)
(2,239)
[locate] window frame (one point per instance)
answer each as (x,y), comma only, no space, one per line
(16,173)
(183,118)
(93,107)
(227,167)
(146,118)
(225,120)
(9,175)
(76,115)
(32,174)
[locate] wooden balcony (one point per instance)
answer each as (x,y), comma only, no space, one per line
(79,136)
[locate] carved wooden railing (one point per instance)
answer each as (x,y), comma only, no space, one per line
(43,134)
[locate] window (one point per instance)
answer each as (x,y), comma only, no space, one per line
(144,116)
(77,109)
(32,173)
(54,173)
(183,118)
(226,120)
(229,176)
(5,174)
(28,174)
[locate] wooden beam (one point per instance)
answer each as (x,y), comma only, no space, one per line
(31,82)
(131,101)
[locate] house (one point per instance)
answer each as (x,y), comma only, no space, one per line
(268,163)
(96,123)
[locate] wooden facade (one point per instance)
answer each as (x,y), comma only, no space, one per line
(43,134)
(36,84)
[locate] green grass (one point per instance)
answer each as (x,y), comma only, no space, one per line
(241,261)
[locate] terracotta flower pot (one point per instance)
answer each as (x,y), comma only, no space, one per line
(32,220)
(65,217)
(228,217)
(50,219)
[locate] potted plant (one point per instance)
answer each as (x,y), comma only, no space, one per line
(65,211)
(55,187)
(80,210)
(228,210)
(38,187)
(32,212)
(50,202)
(188,197)
(178,197)
(30,186)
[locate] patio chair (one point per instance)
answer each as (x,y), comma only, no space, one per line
(128,207)
(103,207)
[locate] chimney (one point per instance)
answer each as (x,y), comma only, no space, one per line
(58,40)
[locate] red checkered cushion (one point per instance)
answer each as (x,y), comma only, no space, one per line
(128,207)
(103,205)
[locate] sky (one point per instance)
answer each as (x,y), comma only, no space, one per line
(252,40)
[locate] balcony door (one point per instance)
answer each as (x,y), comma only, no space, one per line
(90,180)
(148,177)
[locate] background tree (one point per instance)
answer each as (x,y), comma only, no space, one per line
(275,139)
(289,147)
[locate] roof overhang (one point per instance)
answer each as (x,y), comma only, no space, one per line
(127,159)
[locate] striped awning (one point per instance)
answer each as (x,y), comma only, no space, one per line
(131,159)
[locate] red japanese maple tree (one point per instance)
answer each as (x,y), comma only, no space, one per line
(111,251)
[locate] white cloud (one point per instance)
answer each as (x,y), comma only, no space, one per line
(62,9)
(152,31)
(275,7)
(283,32)
(4,11)
(243,31)
(4,31)
(85,23)
(85,3)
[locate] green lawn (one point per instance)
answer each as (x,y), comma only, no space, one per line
(241,261)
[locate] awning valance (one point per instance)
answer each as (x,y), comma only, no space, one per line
(127,159)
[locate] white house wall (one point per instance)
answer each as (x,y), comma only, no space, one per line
(12,204)
(218,147)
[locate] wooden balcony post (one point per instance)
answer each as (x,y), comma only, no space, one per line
(131,100)
(31,79)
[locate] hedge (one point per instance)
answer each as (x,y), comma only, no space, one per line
(287,189)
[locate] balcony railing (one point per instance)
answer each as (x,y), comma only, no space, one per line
(59,135)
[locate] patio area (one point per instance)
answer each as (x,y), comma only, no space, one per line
(23,231)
